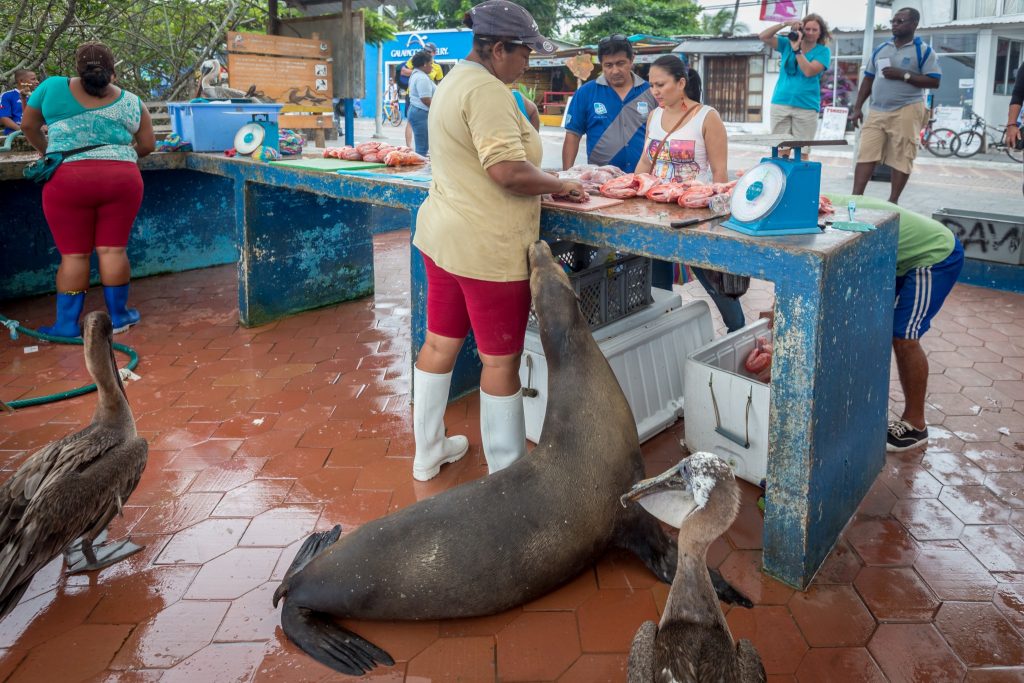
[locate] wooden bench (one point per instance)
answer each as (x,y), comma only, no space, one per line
(161,118)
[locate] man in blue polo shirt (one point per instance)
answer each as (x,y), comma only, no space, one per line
(611,110)
(12,102)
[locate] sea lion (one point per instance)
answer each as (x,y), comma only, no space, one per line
(501,541)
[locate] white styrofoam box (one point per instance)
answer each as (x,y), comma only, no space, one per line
(647,357)
(742,403)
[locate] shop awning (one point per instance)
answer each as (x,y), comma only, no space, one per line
(720,46)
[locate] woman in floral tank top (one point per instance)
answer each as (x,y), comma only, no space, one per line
(92,199)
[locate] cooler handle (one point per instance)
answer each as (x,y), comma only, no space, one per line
(528,390)
(729,434)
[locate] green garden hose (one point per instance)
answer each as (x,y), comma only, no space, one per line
(15,327)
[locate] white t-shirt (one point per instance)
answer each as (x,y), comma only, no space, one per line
(686,156)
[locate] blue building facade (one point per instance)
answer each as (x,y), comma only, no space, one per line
(452,46)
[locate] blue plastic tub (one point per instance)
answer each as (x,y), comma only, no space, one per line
(211,126)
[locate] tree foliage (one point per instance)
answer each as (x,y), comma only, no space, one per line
(434,14)
(376,29)
(653,17)
(157,43)
(720,24)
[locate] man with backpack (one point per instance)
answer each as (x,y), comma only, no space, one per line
(908,67)
(436,73)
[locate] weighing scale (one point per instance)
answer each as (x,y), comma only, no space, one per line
(261,131)
(779,196)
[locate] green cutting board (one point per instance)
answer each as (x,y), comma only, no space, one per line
(326,165)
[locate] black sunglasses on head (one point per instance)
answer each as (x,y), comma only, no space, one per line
(616,37)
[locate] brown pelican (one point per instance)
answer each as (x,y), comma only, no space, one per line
(72,488)
(692,643)
(209,74)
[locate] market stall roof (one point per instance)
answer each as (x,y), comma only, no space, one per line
(716,45)
(318,7)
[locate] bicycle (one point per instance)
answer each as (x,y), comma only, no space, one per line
(981,135)
(392,114)
(941,142)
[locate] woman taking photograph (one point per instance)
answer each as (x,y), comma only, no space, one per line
(93,197)
(686,140)
(473,231)
(804,56)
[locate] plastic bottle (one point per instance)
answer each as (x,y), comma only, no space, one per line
(720,203)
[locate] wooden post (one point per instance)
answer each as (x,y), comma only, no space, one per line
(272,22)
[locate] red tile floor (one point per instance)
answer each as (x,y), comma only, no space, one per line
(259,436)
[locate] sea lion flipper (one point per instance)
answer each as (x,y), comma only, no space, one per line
(726,593)
(330,644)
(642,535)
(641,654)
(311,547)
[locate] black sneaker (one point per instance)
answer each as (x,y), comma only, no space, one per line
(903,436)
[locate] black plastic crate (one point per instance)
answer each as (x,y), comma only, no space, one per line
(608,290)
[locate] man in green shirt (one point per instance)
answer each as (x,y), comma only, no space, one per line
(929,258)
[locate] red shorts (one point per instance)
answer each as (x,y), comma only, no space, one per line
(497,311)
(92,203)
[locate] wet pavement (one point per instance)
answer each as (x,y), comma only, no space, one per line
(261,436)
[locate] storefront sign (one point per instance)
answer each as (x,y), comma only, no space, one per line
(451,45)
(833,123)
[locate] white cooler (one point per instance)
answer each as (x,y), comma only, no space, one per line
(727,409)
(647,352)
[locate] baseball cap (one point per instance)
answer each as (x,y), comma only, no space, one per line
(505,18)
(430,47)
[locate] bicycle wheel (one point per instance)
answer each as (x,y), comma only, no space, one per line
(942,142)
(396,117)
(1015,154)
(970,144)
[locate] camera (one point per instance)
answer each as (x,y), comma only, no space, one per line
(794,36)
(1019,144)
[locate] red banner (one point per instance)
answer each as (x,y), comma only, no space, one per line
(778,10)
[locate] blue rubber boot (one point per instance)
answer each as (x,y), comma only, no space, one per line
(117,300)
(69,310)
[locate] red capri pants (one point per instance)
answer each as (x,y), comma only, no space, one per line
(497,311)
(92,203)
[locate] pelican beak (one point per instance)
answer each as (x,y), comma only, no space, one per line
(668,496)
(673,478)
(117,372)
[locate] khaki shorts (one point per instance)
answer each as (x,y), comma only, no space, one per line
(891,137)
(798,124)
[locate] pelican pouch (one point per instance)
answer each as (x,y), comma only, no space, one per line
(41,170)
(728,284)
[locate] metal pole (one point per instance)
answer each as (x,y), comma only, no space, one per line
(835,76)
(866,48)
(378,129)
(346,32)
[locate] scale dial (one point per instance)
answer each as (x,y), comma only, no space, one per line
(249,137)
(758,192)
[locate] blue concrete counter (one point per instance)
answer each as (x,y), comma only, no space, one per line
(303,239)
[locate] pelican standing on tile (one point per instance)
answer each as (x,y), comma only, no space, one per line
(699,496)
(72,488)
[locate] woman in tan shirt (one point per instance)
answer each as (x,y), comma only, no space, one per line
(473,230)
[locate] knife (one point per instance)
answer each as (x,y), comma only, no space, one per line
(690,222)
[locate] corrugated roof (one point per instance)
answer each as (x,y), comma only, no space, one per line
(721,46)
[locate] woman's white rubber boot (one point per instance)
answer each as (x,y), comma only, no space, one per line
(433,448)
(503,429)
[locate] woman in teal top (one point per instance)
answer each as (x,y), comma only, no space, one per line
(92,199)
(804,56)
